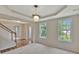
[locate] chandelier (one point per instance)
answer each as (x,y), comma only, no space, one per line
(35,15)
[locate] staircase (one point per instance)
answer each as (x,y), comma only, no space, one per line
(13,35)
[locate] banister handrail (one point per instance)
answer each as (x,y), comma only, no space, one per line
(9,30)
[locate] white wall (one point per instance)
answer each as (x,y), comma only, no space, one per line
(52,39)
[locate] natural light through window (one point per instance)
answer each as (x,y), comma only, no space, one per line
(17,30)
(30,32)
(43,30)
(64,29)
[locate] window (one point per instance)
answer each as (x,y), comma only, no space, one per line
(18,32)
(43,30)
(30,32)
(64,29)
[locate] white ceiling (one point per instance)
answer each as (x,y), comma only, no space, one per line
(42,10)
(46,12)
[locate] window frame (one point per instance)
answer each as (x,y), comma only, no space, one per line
(30,32)
(40,31)
(18,33)
(71,29)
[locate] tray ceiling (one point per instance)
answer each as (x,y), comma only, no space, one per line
(46,12)
(42,10)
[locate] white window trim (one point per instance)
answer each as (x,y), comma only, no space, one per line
(42,37)
(70,29)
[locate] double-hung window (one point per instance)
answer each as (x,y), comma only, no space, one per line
(43,30)
(64,29)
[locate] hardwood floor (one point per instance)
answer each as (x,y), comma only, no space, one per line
(20,43)
(8,49)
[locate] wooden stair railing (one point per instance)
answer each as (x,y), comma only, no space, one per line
(13,34)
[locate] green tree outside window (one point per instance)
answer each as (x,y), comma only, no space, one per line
(43,30)
(64,29)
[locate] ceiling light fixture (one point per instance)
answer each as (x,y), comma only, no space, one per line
(18,21)
(35,15)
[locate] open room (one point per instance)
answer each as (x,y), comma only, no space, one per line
(39,29)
